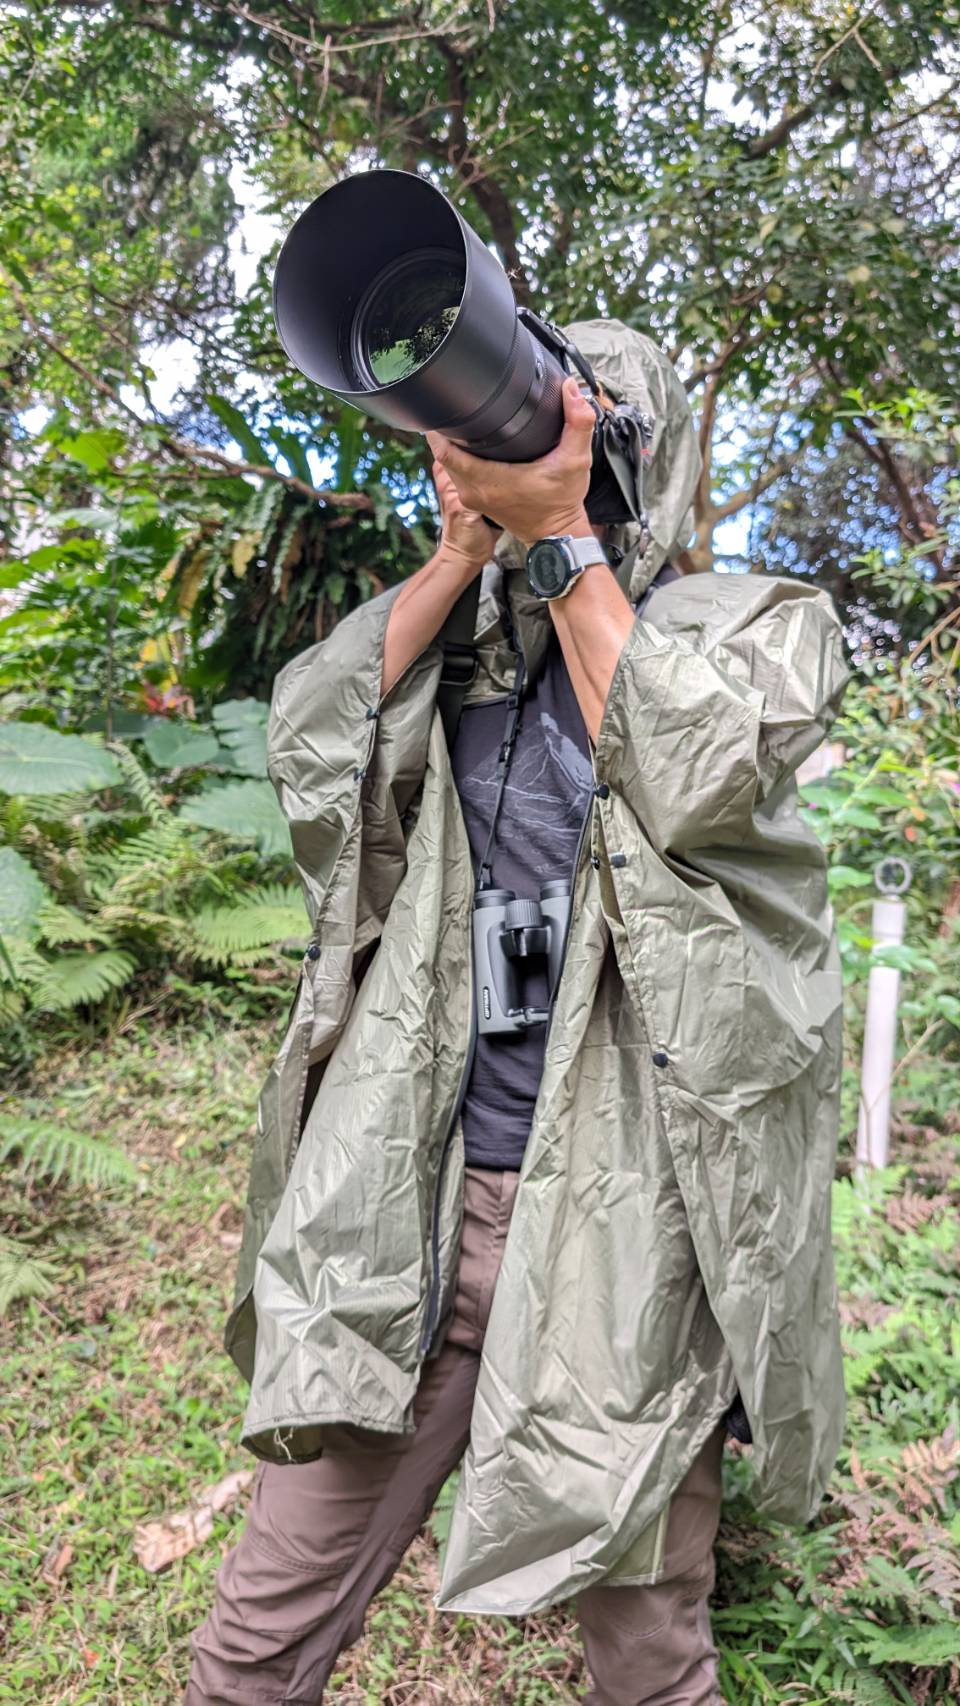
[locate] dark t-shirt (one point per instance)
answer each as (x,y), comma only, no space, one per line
(544,804)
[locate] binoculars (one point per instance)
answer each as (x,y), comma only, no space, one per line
(512,938)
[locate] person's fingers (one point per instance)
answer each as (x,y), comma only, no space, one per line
(457,462)
(578,416)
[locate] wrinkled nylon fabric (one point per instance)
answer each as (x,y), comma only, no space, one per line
(671,1236)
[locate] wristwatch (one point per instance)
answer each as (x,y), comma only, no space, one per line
(555,564)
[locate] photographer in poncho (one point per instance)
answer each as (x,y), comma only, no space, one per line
(542,1175)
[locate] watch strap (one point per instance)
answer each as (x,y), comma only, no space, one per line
(585,550)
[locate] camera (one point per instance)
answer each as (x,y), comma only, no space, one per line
(512,937)
(385,296)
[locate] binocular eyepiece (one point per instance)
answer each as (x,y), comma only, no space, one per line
(513,935)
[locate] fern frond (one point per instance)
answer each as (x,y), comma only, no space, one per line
(55,1150)
(140,784)
(144,862)
(22,1274)
(12,1004)
(56,808)
(74,978)
(267,917)
(21,962)
(59,924)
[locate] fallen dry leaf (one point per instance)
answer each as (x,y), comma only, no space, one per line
(57,1559)
(157,1544)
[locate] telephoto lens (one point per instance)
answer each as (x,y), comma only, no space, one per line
(384,295)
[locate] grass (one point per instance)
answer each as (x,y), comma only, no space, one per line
(124,1407)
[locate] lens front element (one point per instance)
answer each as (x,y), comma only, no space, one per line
(405,316)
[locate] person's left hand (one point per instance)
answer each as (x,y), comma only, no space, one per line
(530,499)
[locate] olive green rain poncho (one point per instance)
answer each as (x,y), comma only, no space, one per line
(670,1241)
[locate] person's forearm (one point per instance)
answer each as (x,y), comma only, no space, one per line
(592,624)
(420,609)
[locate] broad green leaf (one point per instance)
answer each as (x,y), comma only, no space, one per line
(95,450)
(857,817)
(175,746)
(250,446)
(242,727)
(38,760)
(22,895)
(244,811)
(295,453)
(846,877)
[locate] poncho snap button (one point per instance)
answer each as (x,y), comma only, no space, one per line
(659,1058)
(603,791)
(594,861)
(313,952)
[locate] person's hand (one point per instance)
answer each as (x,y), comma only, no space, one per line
(466,537)
(529,499)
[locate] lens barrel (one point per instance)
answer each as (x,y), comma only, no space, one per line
(384,295)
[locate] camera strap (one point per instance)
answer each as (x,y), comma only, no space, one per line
(514,703)
(459,659)
(457,637)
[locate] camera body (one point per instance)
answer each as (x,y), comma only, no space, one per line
(512,935)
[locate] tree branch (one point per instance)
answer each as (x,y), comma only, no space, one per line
(182,447)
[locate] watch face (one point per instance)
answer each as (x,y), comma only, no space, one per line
(549,568)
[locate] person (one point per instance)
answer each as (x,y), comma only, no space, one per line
(564,1257)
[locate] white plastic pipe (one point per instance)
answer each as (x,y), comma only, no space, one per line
(879,1039)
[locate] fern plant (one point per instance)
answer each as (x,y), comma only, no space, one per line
(22,1274)
(50,1150)
(56,1151)
(97,887)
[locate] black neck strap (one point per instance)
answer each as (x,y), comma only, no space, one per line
(459,658)
(514,702)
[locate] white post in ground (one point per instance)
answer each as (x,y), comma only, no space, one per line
(892,877)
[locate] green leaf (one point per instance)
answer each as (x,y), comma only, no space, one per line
(94,450)
(250,446)
(22,1274)
(22,895)
(177,746)
(72,980)
(857,818)
(846,877)
(271,916)
(295,453)
(243,811)
(55,1150)
(242,727)
(916,1644)
(38,760)
(95,519)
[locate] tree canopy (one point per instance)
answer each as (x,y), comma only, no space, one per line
(770,193)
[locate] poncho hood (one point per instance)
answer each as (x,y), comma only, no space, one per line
(631,369)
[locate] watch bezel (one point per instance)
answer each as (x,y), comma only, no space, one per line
(554,543)
(565,543)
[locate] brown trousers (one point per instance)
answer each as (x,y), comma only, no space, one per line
(322,1538)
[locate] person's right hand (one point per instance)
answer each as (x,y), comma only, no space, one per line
(466,536)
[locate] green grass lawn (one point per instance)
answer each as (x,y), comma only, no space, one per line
(121,1407)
